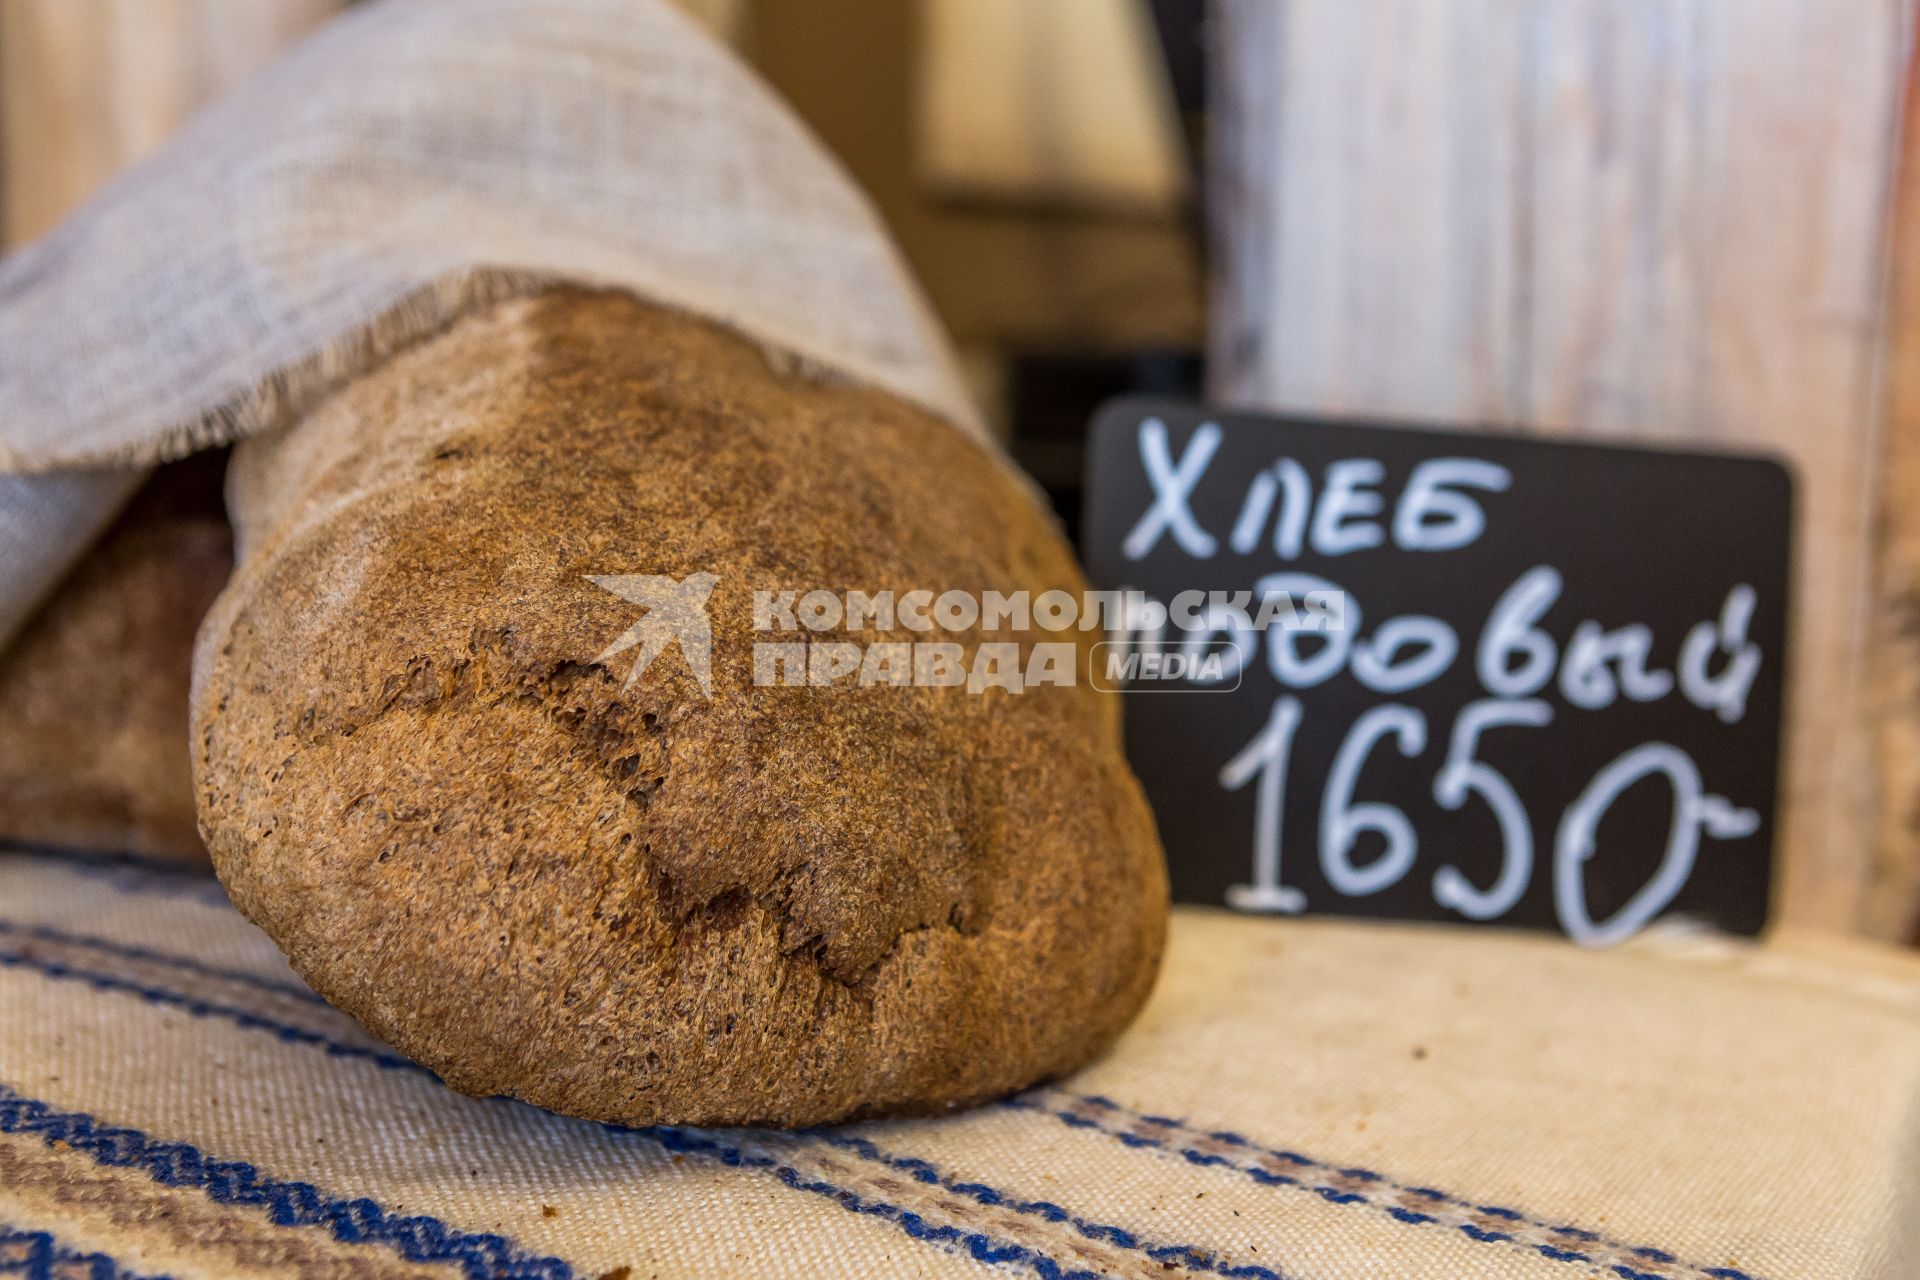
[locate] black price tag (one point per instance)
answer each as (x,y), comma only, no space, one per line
(1426,675)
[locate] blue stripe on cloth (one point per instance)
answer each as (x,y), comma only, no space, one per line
(125,872)
(1192,1257)
(38,1255)
(1155,1141)
(46,933)
(15,958)
(979,1245)
(415,1237)
(421,1238)
(1187,1256)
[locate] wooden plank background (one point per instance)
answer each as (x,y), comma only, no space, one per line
(89,86)
(1629,219)
(1063,103)
(1892,698)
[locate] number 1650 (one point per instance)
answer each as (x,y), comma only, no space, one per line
(1263,764)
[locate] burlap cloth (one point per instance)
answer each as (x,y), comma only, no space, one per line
(1301,1100)
(410,160)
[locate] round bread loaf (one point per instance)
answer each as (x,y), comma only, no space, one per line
(427,769)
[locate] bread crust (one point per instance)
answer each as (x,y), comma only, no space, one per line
(93,691)
(632,901)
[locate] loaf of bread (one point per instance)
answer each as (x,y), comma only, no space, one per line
(428,769)
(93,691)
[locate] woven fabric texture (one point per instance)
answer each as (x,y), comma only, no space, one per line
(1315,1101)
(412,159)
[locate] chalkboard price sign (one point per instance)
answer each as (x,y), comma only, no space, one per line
(1383,671)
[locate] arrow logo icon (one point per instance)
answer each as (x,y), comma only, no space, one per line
(676,611)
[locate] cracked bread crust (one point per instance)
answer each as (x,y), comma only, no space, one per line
(627,900)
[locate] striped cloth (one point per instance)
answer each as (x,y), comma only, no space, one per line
(1309,1100)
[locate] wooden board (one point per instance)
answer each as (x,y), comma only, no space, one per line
(89,86)
(1000,277)
(1891,902)
(1065,102)
(1631,219)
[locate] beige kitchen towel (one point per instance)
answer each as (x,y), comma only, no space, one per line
(409,160)
(1300,1100)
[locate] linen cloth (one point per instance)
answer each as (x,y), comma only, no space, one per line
(1307,1100)
(410,160)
